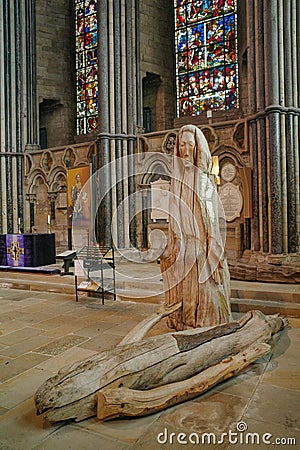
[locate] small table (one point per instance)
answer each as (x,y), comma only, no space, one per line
(67,257)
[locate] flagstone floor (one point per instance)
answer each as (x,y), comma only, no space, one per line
(40,332)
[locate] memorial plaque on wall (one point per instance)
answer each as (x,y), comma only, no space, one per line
(228,172)
(232,201)
(160,200)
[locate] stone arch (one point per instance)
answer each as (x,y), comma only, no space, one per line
(69,157)
(240,180)
(92,150)
(211,137)
(158,165)
(58,175)
(239,135)
(40,188)
(225,151)
(35,175)
(28,163)
(46,161)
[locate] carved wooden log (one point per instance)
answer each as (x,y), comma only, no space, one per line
(148,364)
(142,328)
(124,402)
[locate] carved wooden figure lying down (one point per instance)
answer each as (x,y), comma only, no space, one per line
(144,375)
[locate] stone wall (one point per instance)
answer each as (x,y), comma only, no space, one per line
(46,188)
(227,142)
(55,70)
(157,53)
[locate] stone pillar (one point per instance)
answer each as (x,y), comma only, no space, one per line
(31,199)
(274,126)
(32,116)
(117,117)
(52,198)
(118,112)
(104,216)
(290,86)
(263,186)
(251,55)
(255,238)
(18,106)
(131,121)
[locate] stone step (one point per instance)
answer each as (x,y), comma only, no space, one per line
(139,285)
(268,297)
(265,291)
(140,295)
(267,307)
(37,285)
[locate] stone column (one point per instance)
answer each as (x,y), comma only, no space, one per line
(117,116)
(296,84)
(118,112)
(273,124)
(32,116)
(274,135)
(131,118)
(255,239)
(251,57)
(259,51)
(18,106)
(290,145)
(104,216)
(263,186)
(32,199)
(281,68)
(8,81)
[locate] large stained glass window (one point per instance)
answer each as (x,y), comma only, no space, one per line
(206,55)
(86,66)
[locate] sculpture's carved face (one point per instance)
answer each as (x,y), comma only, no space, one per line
(187,146)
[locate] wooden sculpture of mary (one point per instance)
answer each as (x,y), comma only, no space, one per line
(193,265)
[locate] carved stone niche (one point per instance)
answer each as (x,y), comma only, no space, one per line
(169,143)
(229,192)
(47,162)
(160,200)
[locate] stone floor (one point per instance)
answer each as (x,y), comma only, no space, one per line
(40,332)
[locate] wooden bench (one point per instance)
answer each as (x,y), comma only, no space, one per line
(67,257)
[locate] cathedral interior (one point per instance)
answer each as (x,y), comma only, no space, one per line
(74,96)
(86,84)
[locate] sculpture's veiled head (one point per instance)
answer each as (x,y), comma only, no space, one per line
(192,146)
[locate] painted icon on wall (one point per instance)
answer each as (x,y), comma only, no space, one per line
(78,199)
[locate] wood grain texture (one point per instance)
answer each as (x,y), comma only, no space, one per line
(193,265)
(147,364)
(124,402)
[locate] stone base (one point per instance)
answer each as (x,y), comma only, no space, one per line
(267,268)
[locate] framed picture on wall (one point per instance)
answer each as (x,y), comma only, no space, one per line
(79,199)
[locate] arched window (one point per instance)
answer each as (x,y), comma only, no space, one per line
(206,55)
(86,66)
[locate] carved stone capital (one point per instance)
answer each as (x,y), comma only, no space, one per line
(52,196)
(31,198)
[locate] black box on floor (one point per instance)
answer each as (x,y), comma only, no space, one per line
(27,250)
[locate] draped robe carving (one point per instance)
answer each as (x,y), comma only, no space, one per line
(193,265)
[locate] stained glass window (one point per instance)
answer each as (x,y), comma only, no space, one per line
(206,55)
(86,66)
